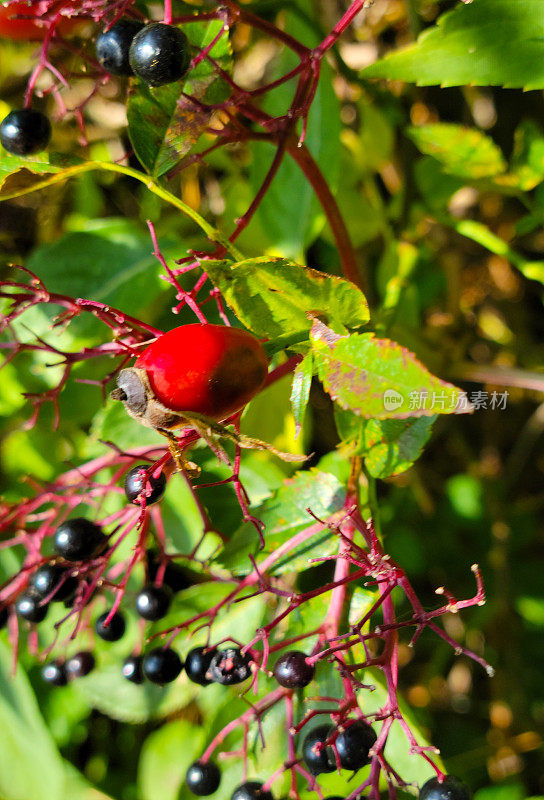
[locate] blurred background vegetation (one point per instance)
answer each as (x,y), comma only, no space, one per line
(471,310)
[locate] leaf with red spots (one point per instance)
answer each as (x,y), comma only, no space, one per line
(377,378)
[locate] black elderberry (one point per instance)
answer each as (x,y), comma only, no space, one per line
(114,630)
(4,616)
(153,602)
(177,578)
(160,54)
(113,45)
(451,789)
(322,761)
(162,665)
(78,539)
(132,669)
(25,131)
(197,664)
(251,790)
(203,778)
(228,667)
(353,745)
(292,671)
(28,607)
(55,673)
(80,664)
(52,580)
(136,481)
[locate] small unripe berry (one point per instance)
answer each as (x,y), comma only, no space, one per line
(229,667)
(153,602)
(27,606)
(162,665)
(136,484)
(251,790)
(203,778)
(114,630)
(80,664)
(25,132)
(451,789)
(133,669)
(292,671)
(160,54)
(322,761)
(113,46)
(78,539)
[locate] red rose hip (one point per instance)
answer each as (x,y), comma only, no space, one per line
(213,370)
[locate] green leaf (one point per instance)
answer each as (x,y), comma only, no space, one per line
(300,390)
(289,215)
(17,172)
(531,609)
(527,167)
(509,791)
(111,262)
(26,742)
(272,296)
(166,755)
(113,424)
(378,378)
(29,759)
(106,689)
(462,151)
(163,123)
(483,43)
(390,446)
(284,515)
(480,233)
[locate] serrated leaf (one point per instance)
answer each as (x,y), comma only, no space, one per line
(17,173)
(272,296)
(483,43)
(462,151)
(164,122)
(300,389)
(284,515)
(389,446)
(377,378)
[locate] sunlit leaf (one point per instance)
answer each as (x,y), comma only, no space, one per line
(273,296)
(378,378)
(483,43)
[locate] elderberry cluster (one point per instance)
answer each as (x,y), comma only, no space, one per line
(157,53)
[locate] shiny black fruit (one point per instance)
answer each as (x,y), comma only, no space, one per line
(113,45)
(25,131)
(160,54)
